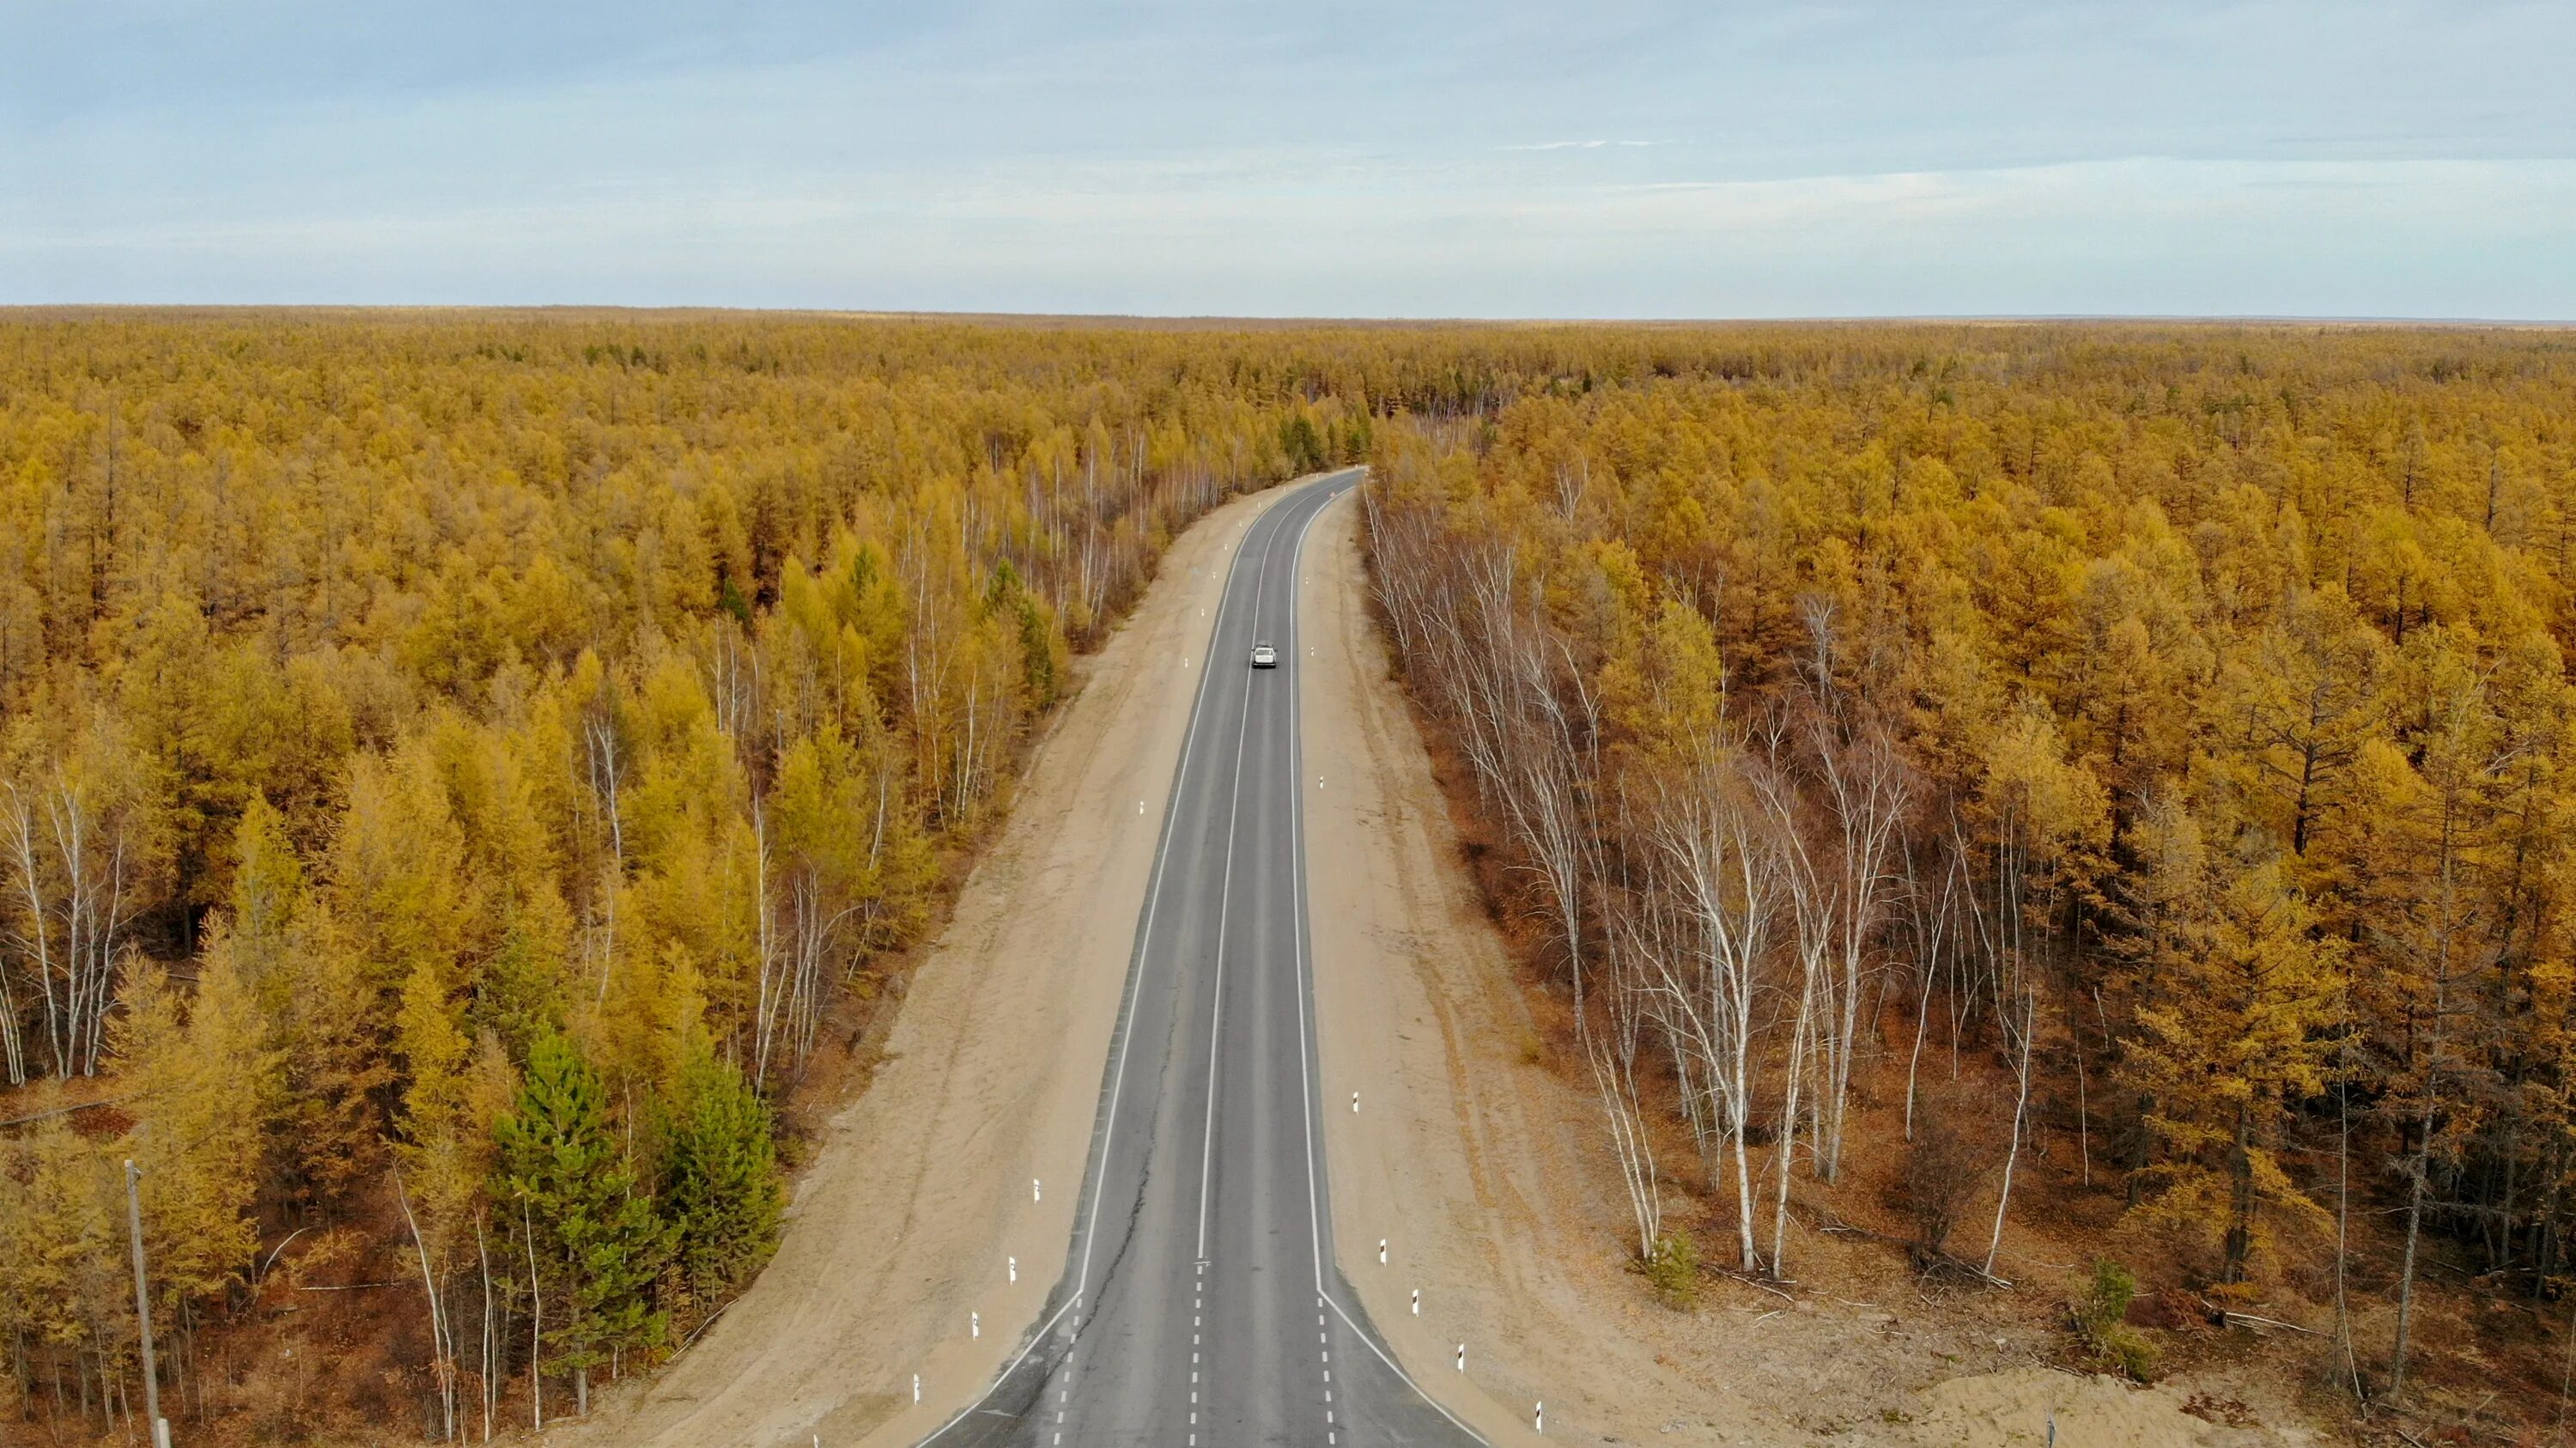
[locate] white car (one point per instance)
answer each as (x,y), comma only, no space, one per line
(1264,657)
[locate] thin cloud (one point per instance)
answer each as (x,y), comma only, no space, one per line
(1844,157)
(1576,145)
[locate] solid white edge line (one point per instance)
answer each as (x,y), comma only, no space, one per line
(1297,919)
(1297,910)
(1392,1366)
(1306,969)
(1004,1375)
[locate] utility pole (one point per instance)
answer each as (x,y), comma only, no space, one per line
(143,1306)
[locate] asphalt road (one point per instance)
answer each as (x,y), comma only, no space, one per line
(1200,1304)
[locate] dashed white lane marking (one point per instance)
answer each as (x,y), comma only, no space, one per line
(1065,1393)
(1325,1355)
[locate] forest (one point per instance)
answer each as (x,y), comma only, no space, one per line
(2150,745)
(461,771)
(455,767)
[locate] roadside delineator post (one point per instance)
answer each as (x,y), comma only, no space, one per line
(1355,1103)
(1417,1302)
(916,1387)
(1381,1251)
(1538,1418)
(1462,1357)
(1036,1190)
(1015,1267)
(975,1324)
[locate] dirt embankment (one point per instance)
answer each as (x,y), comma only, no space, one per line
(922,1189)
(1490,1177)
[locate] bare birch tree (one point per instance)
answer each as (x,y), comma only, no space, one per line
(1718,882)
(1867,788)
(71,862)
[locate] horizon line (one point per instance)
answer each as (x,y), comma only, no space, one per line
(2220,319)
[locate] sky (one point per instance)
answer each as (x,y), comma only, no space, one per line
(1581,158)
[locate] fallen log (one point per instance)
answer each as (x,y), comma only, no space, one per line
(2229,1317)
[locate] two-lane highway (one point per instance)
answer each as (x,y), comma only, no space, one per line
(1200,1303)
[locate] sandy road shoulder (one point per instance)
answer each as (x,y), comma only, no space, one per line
(1470,1165)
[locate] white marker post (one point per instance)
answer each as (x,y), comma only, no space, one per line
(1037,1191)
(975,1326)
(1538,1418)
(1462,1357)
(1355,1103)
(1381,1251)
(1417,1302)
(916,1387)
(1015,1267)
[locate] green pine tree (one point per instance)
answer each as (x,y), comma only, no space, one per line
(722,1190)
(599,1245)
(519,997)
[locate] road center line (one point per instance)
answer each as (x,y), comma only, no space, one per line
(1145,933)
(1225,900)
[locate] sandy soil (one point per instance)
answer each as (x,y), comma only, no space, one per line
(1490,1178)
(991,1075)
(2000,1410)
